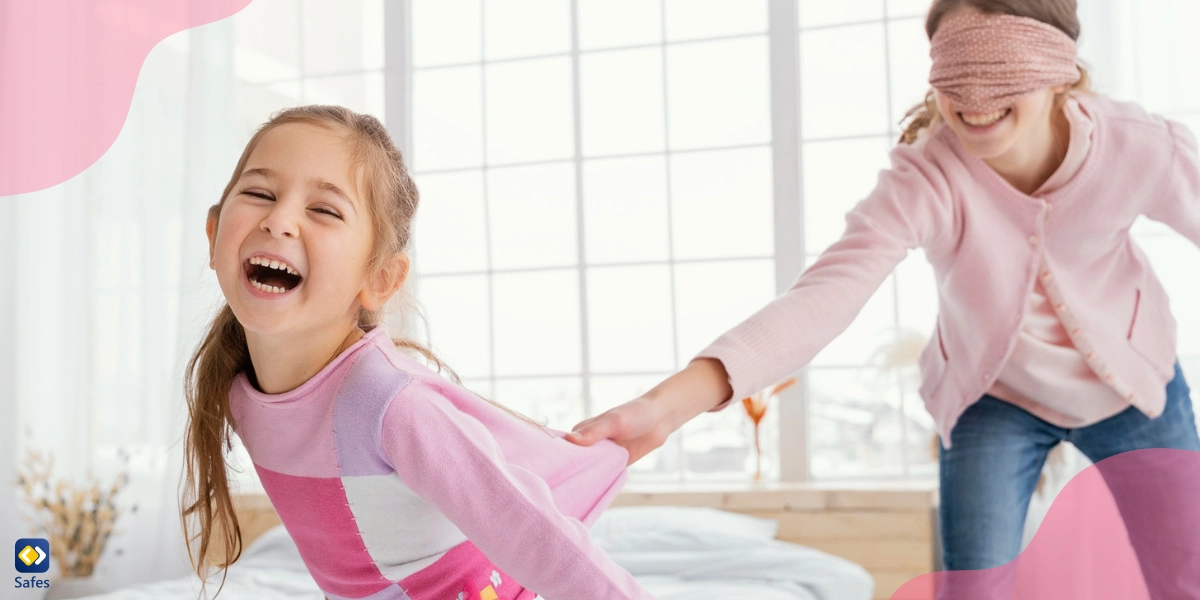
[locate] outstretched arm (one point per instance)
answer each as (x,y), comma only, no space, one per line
(910,207)
(449,459)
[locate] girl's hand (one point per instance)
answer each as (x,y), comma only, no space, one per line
(638,425)
(644,423)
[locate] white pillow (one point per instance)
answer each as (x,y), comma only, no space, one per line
(640,528)
(273,549)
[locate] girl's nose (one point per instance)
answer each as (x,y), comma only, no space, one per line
(280,222)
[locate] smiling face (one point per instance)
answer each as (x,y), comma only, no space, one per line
(1021,128)
(291,245)
(993,135)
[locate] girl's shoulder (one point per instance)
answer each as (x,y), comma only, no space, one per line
(926,166)
(394,374)
(1119,115)
(934,151)
(1134,136)
(385,360)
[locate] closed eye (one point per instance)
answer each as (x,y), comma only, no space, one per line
(328,212)
(258,195)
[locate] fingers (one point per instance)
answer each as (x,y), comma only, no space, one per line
(590,431)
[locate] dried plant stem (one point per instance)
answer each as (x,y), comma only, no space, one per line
(757,455)
(77,520)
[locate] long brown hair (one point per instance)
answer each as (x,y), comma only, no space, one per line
(1057,13)
(391,196)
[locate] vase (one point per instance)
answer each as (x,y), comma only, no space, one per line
(74,587)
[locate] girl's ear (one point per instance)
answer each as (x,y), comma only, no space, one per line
(385,283)
(210,229)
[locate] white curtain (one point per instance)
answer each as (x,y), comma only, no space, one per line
(106,281)
(9,520)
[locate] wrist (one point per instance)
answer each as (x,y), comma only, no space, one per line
(700,387)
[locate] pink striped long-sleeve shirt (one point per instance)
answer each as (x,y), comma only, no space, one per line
(398,485)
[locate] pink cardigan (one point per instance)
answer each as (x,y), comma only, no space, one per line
(984,239)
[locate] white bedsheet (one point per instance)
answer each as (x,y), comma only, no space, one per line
(676,553)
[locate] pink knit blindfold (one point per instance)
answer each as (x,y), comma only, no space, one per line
(983,62)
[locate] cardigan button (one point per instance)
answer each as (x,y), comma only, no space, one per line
(1033,240)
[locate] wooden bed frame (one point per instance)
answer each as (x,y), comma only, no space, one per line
(887,528)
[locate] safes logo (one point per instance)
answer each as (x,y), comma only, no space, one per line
(33,555)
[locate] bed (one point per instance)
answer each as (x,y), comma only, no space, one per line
(677,553)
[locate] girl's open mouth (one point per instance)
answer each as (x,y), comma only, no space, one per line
(271,276)
(984,122)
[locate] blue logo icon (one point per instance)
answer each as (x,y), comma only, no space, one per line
(32,555)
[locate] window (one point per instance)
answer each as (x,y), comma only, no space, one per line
(863,64)
(597,200)
(291,52)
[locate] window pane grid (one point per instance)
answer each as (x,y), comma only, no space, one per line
(590,157)
(884,21)
(592,276)
(866,126)
(482,62)
(594,265)
(282,57)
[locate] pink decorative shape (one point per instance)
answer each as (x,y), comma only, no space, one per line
(67,74)
(1148,500)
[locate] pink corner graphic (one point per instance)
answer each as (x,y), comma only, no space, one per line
(67,74)
(1126,528)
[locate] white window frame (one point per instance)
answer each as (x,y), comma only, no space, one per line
(790,251)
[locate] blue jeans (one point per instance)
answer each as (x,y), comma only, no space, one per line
(996,457)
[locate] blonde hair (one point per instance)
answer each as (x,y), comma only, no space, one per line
(391,197)
(1058,13)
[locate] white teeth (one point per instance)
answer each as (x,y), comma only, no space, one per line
(271,289)
(985,119)
(274,264)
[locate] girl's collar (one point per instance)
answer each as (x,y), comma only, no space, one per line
(377,336)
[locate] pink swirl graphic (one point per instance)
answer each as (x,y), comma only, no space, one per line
(67,74)
(1126,528)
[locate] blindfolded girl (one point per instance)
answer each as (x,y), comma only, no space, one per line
(1020,185)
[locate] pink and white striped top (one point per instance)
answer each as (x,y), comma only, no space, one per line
(398,485)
